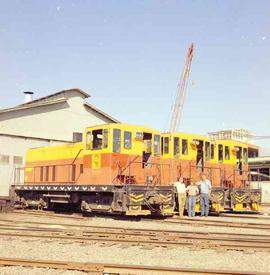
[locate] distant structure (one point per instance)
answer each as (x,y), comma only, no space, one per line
(56,118)
(260,176)
(241,135)
(260,168)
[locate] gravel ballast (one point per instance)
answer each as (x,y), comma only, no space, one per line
(52,249)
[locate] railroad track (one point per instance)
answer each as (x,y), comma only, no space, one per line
(259,216)
(185,220)
(106,268)
(145,237)
(39,226)
(218,223)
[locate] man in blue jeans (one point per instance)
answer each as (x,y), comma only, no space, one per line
(192,191)
(205,189)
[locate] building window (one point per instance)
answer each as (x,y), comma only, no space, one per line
(127,140)
(212,151)
(17,160)
(4,159)
(220,152)
(156,145)
(77,137)
(184,147)
(54,173)
(166,145)
(207,150)
(116,140)
(176,147)
(227,152)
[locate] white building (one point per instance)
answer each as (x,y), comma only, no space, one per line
(48,120)
(242,135)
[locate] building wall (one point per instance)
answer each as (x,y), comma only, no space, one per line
(41,124)
(265,189)
(12,155)
(57,121)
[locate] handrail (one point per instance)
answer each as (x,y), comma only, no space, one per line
(76,156)
(158,165)
(121,171)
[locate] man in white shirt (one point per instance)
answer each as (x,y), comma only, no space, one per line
(181,194)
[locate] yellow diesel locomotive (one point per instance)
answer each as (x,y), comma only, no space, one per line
(129,169)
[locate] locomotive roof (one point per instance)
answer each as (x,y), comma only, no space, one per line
(123,125)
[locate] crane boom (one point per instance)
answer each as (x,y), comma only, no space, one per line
(179,99)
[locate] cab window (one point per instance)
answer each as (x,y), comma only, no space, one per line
(166,145)
(245,155)
(227,152)
(239,153)
(127,140)
(212,151)
(105,138)
(97,139)
(176,147)
(156,145)
(207,150)
(88,140)
(220,152)
(184,147)
(116,140)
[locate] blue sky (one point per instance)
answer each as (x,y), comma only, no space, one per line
(129,56)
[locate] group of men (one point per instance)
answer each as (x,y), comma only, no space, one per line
(202,187)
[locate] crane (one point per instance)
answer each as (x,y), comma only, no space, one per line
(178,103)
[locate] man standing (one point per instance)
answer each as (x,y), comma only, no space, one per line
(181,194)
(192,191)
(205,188)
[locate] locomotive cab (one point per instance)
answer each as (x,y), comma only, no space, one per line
(120,153)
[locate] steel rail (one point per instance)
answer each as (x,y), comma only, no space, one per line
(121,230)
(190,240)
(51,214)
(259,216)
(184,220)
(217,223)
(107,268)
(193,222)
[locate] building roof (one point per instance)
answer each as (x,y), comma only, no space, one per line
(265,159)
(28,106)
(48,97)
(95,109)
(55,99)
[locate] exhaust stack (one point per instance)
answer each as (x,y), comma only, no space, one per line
(28,96)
